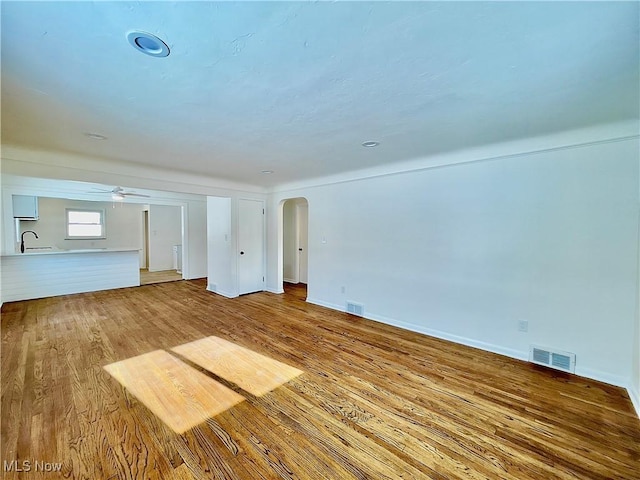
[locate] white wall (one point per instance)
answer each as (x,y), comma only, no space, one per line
(224,235)
(465,251)
(634,388)
(195,256)
(122,222)
(165,231)
(34,163)
(221,247)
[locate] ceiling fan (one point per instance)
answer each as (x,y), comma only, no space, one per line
(118,193)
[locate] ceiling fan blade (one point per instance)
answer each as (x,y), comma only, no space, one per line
(117,193)
(128,194)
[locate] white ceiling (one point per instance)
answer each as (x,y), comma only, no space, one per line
(297,87)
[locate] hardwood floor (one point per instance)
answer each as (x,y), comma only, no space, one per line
(147,277)
(373,401)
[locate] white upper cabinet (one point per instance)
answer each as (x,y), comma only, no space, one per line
(25,207)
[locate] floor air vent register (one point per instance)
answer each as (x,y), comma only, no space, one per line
(355,309)
(556,359)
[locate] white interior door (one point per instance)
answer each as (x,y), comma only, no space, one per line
(250,246)
(303,242)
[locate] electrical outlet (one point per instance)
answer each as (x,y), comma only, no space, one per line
(523,325)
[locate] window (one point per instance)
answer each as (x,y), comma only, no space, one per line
(85,223)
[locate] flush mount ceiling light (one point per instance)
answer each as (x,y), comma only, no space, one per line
(266,172)
(370,144)
(95,136)
(148,44)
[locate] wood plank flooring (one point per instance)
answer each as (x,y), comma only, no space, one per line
(176,393)
(147,277)
(373,401)
(251,371)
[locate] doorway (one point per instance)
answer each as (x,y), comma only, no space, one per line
(162,244)
(295,236)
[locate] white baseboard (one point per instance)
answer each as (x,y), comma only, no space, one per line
(289,280)
(469,342)
(602,377)
(332,306)
(194,278)
(520,355)
(277,291)
(223,293)
(489,347)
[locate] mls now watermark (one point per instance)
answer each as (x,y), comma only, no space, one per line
(31,466)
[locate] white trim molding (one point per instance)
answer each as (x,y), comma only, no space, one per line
(222,293)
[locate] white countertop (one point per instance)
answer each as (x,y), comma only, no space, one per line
(30,253)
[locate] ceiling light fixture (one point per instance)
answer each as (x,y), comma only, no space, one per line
(370,144)
(117,196)
(95,136)
(148,44)
(266,172)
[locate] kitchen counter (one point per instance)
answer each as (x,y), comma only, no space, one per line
(48,273)
(43,251)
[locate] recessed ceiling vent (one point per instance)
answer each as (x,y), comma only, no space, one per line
(557,359)
(355,309)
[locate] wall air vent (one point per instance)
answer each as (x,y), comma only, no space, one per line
(557,359)
(355,309)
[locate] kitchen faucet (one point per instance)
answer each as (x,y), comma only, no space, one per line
(22,239)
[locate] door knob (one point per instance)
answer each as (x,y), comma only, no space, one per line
(241,253)
(299,249)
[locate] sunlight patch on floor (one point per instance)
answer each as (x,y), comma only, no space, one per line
(181,396)
(251,371)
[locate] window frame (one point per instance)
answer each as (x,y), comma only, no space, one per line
(102,223)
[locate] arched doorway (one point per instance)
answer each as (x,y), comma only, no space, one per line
(295,241)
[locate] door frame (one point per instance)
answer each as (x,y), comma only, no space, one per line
(280,265)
